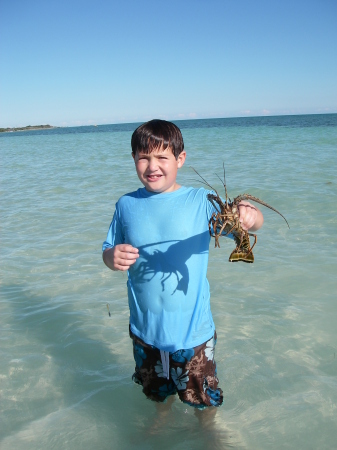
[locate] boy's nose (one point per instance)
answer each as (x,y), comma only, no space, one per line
(153,164)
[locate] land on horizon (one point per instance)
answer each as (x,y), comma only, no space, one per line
(28,127)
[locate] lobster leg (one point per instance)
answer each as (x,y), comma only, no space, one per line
(255,240)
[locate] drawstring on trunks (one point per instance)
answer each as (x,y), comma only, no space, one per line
(165,360)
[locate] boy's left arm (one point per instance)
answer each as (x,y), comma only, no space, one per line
(251,218)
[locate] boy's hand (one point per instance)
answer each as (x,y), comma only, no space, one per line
(251,217)
(120,257)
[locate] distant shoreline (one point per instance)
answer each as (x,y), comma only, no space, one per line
(27,128)
(178,121)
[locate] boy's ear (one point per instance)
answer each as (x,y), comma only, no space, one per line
(181,159)
(133,156)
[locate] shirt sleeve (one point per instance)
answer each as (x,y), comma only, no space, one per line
(115,234)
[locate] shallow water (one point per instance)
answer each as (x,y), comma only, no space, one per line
(66,366)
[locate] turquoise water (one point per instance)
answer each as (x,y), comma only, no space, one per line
(66,366)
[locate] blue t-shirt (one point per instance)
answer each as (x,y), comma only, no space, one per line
(168,292)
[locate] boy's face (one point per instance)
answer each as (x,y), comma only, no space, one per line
(158,170)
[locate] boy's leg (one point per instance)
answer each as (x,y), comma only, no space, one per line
(149,371)
(194,373)
(206,416)
(202,391)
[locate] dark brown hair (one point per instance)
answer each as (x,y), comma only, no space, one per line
(157,134)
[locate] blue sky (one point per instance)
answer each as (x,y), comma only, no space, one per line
(79,62)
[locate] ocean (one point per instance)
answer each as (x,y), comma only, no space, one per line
(66,365)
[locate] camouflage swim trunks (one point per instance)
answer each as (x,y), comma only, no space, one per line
(191,373)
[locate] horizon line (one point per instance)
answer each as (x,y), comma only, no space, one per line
(174,120)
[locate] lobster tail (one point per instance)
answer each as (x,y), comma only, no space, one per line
(243,251)
(240,255)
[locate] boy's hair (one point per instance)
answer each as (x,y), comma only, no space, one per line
(157,134)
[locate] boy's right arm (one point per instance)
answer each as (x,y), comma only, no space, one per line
(120,257)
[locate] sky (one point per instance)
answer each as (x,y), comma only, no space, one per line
(80,62)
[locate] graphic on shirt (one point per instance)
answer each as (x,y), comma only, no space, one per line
(164,264)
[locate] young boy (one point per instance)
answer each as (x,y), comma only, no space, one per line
(160,235)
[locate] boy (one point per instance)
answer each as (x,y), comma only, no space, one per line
(160,235)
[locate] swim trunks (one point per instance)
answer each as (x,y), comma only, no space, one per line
(191,373)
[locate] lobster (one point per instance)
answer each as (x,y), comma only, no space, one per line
(226,221)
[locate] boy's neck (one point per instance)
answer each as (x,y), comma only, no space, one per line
(174,188)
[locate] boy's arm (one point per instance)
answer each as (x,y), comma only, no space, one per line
(116,254)
(120,257)
(251,218)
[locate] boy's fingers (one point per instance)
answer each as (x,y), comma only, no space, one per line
(129,249)
(121,268)
(124,256)
(248,215)
(125,262)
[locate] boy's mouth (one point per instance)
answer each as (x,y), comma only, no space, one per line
(153,177)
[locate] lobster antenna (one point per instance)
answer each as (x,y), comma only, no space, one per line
(199,181)
(224,183)
(207,184)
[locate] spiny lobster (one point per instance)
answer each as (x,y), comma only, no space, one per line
(226,221)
